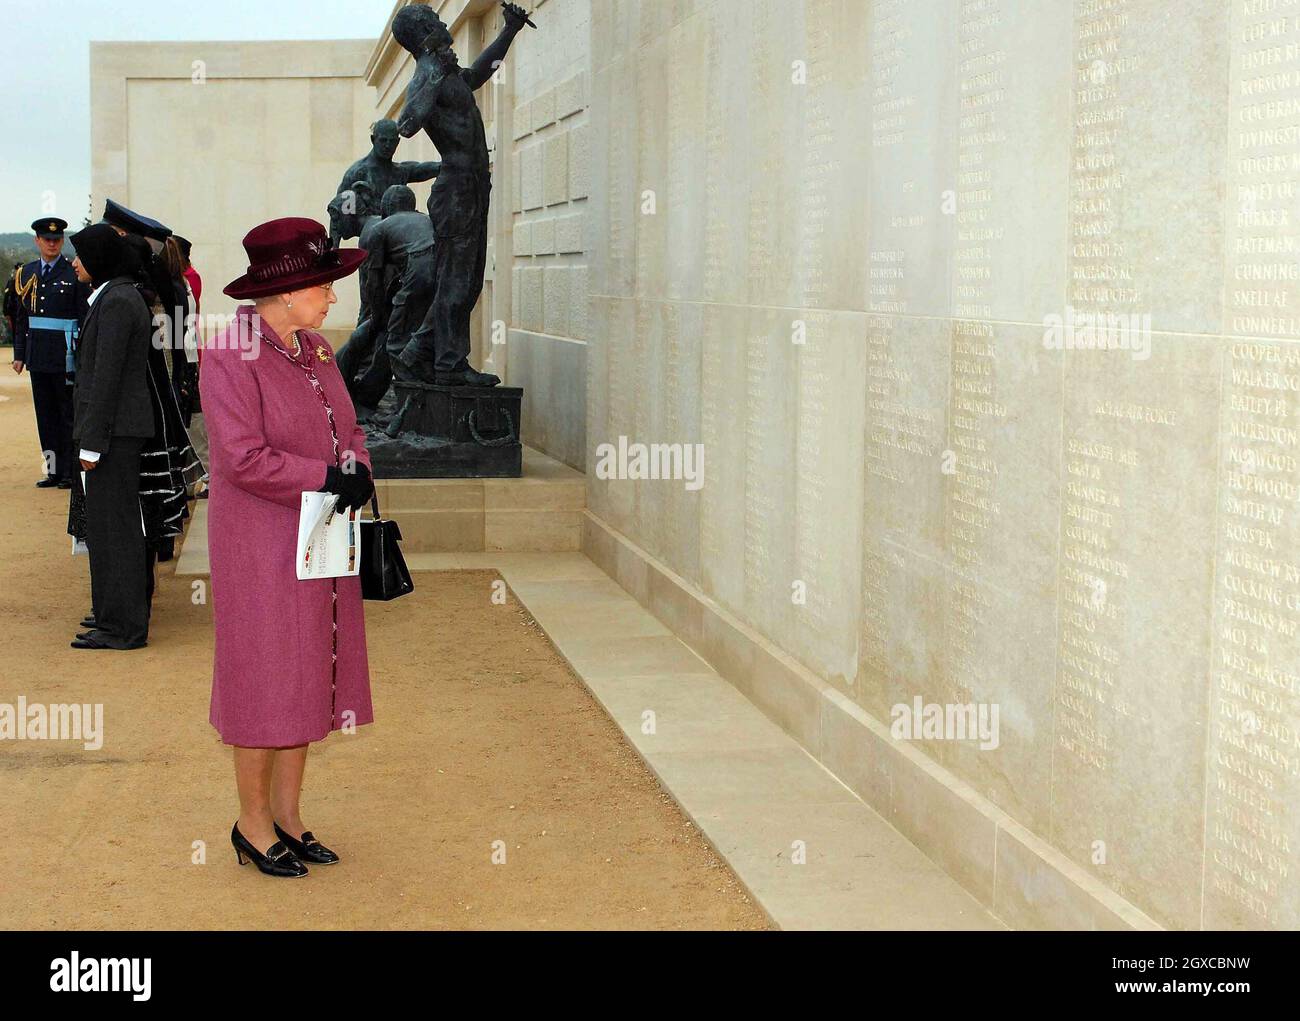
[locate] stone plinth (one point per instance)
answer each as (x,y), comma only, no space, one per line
(447,432)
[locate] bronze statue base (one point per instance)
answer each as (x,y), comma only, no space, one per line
(424,431)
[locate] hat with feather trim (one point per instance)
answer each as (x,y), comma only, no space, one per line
(290,254)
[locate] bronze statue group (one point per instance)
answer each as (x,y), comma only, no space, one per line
(423,274)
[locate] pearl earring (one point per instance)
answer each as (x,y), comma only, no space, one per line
(290,303)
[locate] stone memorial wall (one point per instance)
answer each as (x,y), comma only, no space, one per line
(985,315)
(545,161)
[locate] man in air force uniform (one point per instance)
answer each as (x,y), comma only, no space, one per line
(51,305)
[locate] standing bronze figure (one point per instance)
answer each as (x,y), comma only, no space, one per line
(440,100)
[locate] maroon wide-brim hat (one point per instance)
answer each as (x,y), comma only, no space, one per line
(289,254)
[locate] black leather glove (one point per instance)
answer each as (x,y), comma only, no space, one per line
(354,488)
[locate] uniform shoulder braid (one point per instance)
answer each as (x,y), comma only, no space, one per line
(25,288)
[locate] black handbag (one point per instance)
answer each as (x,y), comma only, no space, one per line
(383,571)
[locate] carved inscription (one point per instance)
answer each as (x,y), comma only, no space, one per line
(983,79)
(1251,843)
(1263,216)
(1107,52)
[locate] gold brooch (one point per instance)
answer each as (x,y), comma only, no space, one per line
(322,354)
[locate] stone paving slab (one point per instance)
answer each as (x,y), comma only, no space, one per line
(812,853)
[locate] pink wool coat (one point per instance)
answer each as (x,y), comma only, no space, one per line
(269,441)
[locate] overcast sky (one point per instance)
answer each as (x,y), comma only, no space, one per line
(45,75)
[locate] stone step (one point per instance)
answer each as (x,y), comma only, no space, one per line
(538,513)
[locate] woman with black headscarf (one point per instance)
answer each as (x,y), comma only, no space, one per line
(168,463)
(113,418)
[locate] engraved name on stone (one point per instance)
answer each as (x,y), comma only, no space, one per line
(982,87)
(1254,765)
(1263,221)
(1107,53)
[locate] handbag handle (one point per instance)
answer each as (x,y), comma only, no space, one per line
(374,502)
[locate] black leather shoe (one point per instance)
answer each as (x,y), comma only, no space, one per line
(102,640)
(466,377)
(308,848)
(88,621)
(65,484)
(408,372)
(278,861)
(49,482)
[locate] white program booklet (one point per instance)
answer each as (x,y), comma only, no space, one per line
(329,540)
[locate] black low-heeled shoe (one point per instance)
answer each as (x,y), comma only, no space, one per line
(102,640)
(278,861)
(308,848)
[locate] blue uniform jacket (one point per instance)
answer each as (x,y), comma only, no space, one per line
(50,314)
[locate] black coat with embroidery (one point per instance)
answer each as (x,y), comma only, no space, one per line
(168,463)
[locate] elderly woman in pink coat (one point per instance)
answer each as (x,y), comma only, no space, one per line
(290,659)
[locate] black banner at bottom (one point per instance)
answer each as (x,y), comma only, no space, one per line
(337,969)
